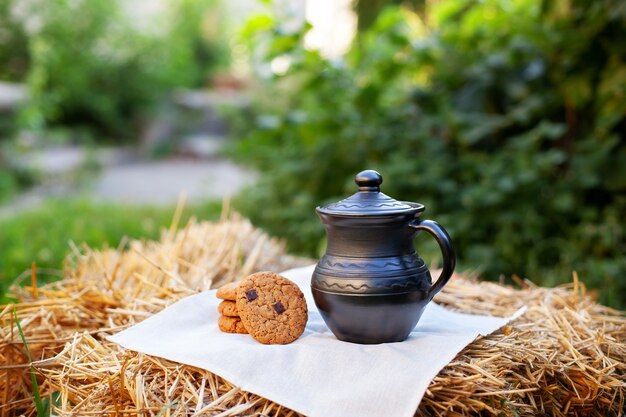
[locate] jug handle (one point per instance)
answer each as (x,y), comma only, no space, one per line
(447,250)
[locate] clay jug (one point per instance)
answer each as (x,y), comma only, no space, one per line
(371,286)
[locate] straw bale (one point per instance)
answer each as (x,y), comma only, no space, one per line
(566,356)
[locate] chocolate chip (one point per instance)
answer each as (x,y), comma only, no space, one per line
(279,308)
(251,295)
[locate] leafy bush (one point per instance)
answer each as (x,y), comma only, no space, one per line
(14,57)
(197,37)
(42,235)
(7,185)
(91,68)
(506,118)
(13,175)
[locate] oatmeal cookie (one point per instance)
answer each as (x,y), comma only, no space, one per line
(231,325)
(272,308)
(228,291)
(228,308)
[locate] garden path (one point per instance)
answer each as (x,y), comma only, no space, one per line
(126,176)
(161,182)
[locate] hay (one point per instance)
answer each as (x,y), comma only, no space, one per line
(565,357)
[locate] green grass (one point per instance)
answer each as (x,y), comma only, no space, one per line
(42,235)
(33,377)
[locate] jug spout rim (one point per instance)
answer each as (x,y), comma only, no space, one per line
(379,209)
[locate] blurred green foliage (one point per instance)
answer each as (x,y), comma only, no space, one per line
(92,66)
(14,57)
(8,185)
(42,235)
(367,11)
(13,175)
(197,33)
(506,118)
(12,179)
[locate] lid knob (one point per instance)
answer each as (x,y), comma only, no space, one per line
(368,180)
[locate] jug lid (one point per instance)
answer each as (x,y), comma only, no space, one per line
(369,201)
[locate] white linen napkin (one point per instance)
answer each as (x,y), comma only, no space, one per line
(317,375)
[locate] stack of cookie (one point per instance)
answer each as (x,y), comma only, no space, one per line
(269,307)
(229,320)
